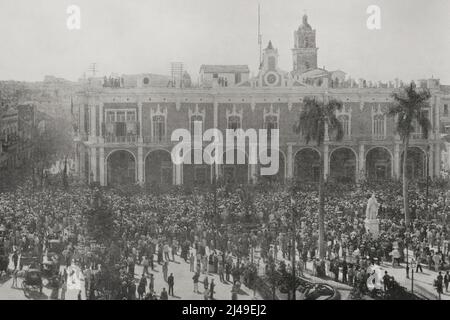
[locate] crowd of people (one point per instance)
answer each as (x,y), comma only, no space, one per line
(230,235)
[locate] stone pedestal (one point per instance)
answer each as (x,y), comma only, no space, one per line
(373,226)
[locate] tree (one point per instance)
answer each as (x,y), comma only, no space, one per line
(49,144)
(311,125)
(408,108)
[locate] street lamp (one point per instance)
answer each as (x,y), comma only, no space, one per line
(413,266)
(294,289)
(428,177)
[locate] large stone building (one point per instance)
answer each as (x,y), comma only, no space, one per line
(124,131)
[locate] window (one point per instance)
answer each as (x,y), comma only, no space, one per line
(146,81)
(270,123)
(237,78)
(131,116)
(121,116)
(272,63)
(110,117)
(379,126)
(159,128)
(345,121)
(445,110)
(234,122)
(215,75)
(196,119)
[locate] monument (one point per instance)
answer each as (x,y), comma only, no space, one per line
(371,223)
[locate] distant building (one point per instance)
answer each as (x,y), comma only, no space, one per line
(223,75)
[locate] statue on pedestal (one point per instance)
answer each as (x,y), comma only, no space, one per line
(372,208)
(372,223)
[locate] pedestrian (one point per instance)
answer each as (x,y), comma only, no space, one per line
(165,270)
(79,295)
(438,284)
(164,295)
(386,280)
(220,271)
(206,283)
(151,283)
(171,282)
(145,265)
(419,266)
(63,289)
(344,271)
(195,279)
(15,258)
(446,280)
(211,289)
(227,271)
(166,250)
(191,262)
(14,283)
(141,287)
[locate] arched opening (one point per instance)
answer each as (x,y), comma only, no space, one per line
(307,165)
(343,165)
(415,163)
(235,173)
(196,174)
(280,175)
(121,168)
(158,168)
(378,164)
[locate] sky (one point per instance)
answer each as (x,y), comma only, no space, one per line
(140,36)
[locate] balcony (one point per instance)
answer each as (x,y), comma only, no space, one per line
(160,140)
(121,139)
(378,137)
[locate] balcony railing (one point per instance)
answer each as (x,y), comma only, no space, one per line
(156,139)
(122,139)
(378,137)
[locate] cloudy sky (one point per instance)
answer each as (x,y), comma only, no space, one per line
(137,36)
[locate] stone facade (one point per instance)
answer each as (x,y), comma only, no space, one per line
(127,131)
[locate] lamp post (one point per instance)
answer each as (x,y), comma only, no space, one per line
(294,288)
(428,177)
(407,253)
(413,265)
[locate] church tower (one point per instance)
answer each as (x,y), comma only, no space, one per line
(305,51)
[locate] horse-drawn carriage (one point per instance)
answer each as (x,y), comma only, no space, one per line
(32,281)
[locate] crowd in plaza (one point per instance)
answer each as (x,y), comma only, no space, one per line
(219,235)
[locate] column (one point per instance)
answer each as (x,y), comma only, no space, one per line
(216,114)
(430,155)
(326,161)
(141,123)
(289,163)
(93,123)
(178,174)
(101,114)
(253,177)
(361,163)
(437,160)
(102,166)
(82,129)
(397,161)
(140,166)
(93,169)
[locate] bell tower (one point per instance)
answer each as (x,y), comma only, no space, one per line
(305,51)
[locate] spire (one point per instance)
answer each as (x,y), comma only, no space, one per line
(270,46)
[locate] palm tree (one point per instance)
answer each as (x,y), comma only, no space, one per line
(311,126)
(408,108)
